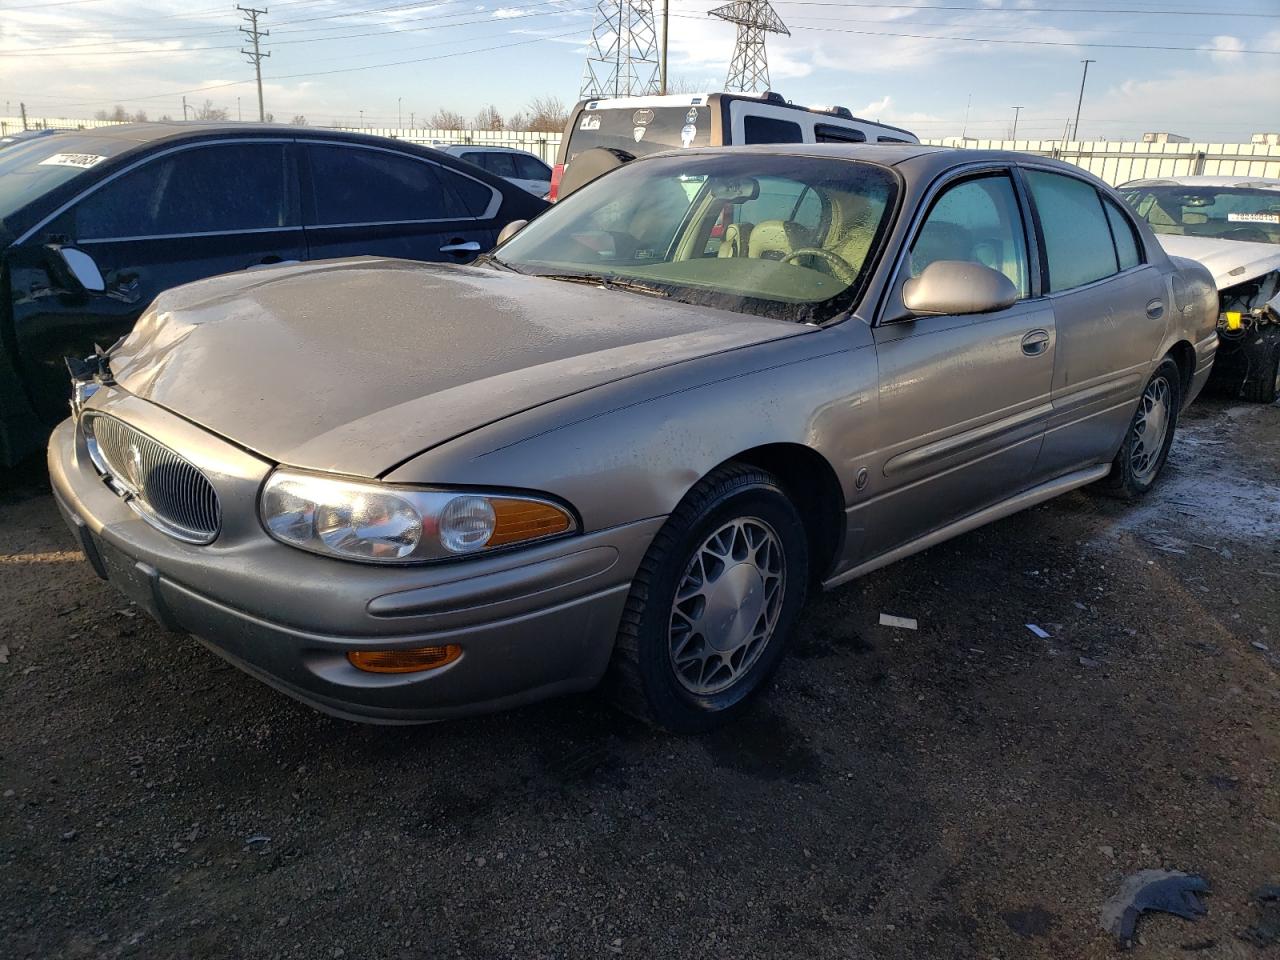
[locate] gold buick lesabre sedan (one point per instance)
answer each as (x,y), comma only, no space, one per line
(623,446)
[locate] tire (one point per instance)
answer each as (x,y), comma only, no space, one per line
(1137,465)
(736,549)
(1263,383)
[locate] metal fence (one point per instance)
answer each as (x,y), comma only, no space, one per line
(542,145)
(1117,161)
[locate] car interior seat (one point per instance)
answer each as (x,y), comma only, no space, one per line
(736,240)
(776,239)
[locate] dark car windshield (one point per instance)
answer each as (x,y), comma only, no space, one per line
(1228,213)
(640,131)
(32,168)
(783,236)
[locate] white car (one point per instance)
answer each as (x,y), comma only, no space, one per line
(1232,226)
(517,166)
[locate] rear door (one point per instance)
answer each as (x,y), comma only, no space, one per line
(366,200)
(1109,309)
(963,400)
(532,174)
(181,214)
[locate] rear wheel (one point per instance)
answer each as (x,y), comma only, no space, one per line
(1150,435)
(713,603)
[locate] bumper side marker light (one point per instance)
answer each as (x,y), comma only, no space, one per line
(414,660)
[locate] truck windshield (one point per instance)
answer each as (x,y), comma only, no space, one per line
(1228,213)
(30,169)
(782,236)
(640,131)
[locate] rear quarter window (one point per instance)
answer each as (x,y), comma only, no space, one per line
(757,129)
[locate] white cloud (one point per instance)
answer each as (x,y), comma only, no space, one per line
(1225,49)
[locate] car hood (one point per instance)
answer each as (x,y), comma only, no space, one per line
(355,365)
(1230,261)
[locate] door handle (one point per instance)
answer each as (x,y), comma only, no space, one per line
(457,246)
(1035,343)
(1155,309)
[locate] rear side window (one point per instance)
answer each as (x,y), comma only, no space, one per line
(828,133)
(1077,236)
(770,130)
(355,185)
(530,168)
(474,196)
(1122,232)
(210,189)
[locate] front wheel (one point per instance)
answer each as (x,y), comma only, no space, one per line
(713,603)
(1150,435)
(1263,385)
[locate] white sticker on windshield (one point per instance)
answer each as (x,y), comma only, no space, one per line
(590,123)
(638,133)
(81,160)
(1254,217)
(687,133)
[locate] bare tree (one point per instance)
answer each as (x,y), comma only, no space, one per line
(489,119)
(140,117)
(207,111)
(546,114)
(119,114)
(518,121)
(298,120)
(691,85)
(448,120)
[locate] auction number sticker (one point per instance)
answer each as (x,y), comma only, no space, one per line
(1254,217)
(590,122)
(81,160)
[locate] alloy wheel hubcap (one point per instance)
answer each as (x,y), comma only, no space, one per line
(1150,428)
(726,605)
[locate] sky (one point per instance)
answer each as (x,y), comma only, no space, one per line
(937,67)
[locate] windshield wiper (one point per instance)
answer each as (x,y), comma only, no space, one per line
(608,283)
(489,259)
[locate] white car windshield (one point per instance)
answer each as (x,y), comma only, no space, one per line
(784,236)
(1227,213)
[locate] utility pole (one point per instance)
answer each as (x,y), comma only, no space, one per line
(255,55)
(964,130)
(239,114)
(1016,111)
(399,113)
(666,11)
(411,120)
(23,108)
(1075,131)
(184,107)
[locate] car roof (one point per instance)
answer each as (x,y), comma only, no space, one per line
(485,148)
(1242,182)
(926,160)
(159,130)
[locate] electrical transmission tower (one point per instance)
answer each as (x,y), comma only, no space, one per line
(749,70)
(623,61)
(255,55)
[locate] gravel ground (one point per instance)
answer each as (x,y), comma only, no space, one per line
(964,790)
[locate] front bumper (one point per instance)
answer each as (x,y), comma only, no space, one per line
(532,623)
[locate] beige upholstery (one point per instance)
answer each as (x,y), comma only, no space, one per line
(736,239)
(775,239)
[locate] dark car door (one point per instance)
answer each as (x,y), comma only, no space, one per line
(364,199)
(181,214)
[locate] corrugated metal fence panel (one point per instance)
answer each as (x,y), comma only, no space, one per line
(543,145)
(14,124)
(1120,161)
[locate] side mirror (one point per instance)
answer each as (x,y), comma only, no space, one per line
(78,267)
(947,287)
(510,230)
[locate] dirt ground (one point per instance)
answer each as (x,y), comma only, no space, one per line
(966,790)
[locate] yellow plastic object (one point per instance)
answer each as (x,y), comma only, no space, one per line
(1235,320)
(413,660)
(517,520)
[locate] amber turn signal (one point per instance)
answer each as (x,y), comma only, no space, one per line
(519,520)
(404,661)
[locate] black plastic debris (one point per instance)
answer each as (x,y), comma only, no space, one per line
(1163,891)
(1266,932)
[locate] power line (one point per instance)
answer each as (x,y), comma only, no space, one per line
(1052,10)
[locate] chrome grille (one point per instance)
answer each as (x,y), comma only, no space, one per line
(167,490)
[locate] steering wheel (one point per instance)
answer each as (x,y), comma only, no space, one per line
(839,267)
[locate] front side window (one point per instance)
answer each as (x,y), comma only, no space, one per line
(353,185)
(1077,236)
(978,221)
(217,188)
(531,168)
(829,133)
(799,233)
(497,163)
(1237,212)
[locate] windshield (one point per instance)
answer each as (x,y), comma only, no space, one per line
(31,168)
(640,131)
(783,236)
(1228,213)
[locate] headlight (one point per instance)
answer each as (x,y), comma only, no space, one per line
(380,523)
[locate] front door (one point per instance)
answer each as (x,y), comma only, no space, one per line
(185,214)
(962,399)
(373,201)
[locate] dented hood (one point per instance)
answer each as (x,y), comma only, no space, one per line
(1230,261)
(355,365)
